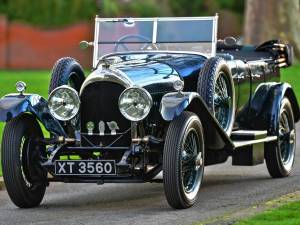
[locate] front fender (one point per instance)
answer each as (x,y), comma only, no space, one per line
(13,105)
(173,104)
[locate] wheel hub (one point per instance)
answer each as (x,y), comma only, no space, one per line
(192,162)
(292,137)
(287,138)
(199,161)
(184,154)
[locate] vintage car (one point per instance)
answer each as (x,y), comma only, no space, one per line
(164,95)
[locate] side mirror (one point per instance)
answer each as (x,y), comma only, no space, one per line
(84,44)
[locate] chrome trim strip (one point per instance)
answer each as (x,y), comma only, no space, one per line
(96,46)
(238,144)
(215,34)
(154,36)
(111,75)
(159,18)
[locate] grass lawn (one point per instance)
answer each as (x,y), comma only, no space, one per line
(288,214)
(38,82)
(291,75)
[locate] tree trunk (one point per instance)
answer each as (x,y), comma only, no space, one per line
(273,19)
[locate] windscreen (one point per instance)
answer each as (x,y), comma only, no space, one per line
(197,35)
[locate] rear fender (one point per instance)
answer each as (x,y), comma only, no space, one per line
(173,104)
(14,105)
(264,108)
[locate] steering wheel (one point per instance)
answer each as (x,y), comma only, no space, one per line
(134,36)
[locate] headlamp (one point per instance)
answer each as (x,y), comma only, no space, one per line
(64,103)
(135,103)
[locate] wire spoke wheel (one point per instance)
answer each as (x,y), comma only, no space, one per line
(23,160)
(216,87)
(280,155)
(191,159)
(223,101)
(183,160)
(286,138)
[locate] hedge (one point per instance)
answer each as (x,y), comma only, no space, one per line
(54,13)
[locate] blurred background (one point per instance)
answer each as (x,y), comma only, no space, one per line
(34,33)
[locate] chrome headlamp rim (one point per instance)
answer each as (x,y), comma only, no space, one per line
(77,98)
(148,96)
(178,85)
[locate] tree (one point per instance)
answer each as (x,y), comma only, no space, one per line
(273,19)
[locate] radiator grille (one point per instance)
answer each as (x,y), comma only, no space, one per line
(99,102)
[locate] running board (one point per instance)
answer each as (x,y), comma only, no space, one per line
(238,144)
(249,146)
(248,134)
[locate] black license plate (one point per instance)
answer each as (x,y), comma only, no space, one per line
(85,167)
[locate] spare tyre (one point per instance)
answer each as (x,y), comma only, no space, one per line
(215,86)
(67,71)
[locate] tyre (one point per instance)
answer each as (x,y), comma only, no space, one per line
(66,71)
(183,161)
(280,155)
(215,86)
(24,178)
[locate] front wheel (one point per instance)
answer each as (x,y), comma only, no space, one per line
(280,155)
(24,178)
(183,161)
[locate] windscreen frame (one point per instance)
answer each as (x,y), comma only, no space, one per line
(154,38)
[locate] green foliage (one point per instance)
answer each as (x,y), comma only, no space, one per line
(53,13)
(187,8)
(109,8)
(205,7)
(113,8)
(143,9)
(48,13)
